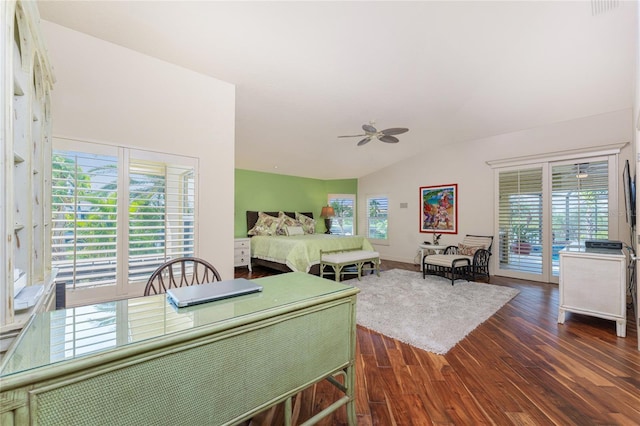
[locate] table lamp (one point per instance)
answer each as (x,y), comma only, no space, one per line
(327,213)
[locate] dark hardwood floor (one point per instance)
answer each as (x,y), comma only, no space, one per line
(519,367)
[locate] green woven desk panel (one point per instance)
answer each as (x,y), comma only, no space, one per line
(209,384)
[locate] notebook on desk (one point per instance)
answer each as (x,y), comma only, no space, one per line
(195,294)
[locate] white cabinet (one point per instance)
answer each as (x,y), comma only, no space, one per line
(593,282)
(242,255)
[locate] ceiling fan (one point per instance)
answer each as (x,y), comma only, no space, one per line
(382,135)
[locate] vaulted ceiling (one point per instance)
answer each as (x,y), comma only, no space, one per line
(306,72)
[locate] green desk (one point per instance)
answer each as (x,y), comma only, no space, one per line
(142,361)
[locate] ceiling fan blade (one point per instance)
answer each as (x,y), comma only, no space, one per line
(395,131)
(369,128)
(365,140)
(350,136)
(389,139)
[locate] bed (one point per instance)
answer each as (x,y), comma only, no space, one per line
(297,252)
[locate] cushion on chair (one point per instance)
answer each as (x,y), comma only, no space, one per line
(477,241)
(468,250)
(445,259)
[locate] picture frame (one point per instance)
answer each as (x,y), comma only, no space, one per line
(439,209)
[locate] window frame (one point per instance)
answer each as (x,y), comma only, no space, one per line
(123,288)
(352,198)
(382,241)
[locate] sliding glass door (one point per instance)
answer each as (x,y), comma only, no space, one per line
(544,207)
(579,204)
(520,220)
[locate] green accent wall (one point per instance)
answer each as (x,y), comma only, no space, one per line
(272,192)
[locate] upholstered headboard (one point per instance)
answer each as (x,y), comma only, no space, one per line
(252,217)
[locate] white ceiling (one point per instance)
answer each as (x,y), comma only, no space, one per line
(306,72)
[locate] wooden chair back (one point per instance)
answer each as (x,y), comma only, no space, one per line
(180,272)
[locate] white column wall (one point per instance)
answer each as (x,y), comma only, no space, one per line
(109,94)
(636,152)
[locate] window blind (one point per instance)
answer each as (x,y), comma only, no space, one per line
(580,204)
(161,215)
(84,217)
(139,201)
(377,217)
(520,220)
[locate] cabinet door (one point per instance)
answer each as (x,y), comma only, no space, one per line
(592,284)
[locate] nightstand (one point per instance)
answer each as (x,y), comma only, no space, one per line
(242,255)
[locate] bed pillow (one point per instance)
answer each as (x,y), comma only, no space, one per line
(308,223)
(286,221)
(294,230)
(466,250)
(265,225)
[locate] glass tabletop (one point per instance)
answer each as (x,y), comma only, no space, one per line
(71,333)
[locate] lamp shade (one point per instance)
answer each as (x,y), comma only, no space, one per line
(327,211)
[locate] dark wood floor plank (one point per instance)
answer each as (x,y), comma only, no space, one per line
(520,367)
(380,350)
(373,380)
(380,414)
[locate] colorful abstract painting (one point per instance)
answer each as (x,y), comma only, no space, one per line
(439,209)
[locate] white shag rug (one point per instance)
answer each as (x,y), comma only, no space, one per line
(430,313)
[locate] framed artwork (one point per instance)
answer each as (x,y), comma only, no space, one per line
(439,209)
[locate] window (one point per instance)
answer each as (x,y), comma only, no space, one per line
(119,213)
(161,207)
(344,206)
(377,217)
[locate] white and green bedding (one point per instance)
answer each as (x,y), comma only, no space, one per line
(301,252)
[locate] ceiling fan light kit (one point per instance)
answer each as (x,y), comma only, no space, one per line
(382,135)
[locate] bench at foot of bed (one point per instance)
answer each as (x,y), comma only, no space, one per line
(338,260)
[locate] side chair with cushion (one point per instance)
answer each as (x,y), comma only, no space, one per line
(468,260)
(181,272)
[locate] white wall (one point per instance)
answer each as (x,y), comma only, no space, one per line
(465,164)
(636,131)
(109,94)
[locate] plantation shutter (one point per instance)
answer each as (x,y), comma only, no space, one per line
(161,215)
(117,214)
(344,208)
(580,203)
(84,217)
(377,215)
(520,211)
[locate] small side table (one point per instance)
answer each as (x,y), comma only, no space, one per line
(242,255)
(437,248)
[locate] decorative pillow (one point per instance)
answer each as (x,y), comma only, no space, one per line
(294,230)
(466,250)
(286,221)
(308,223)
(265,225)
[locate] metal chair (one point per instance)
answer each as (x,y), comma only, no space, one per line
(180,272)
